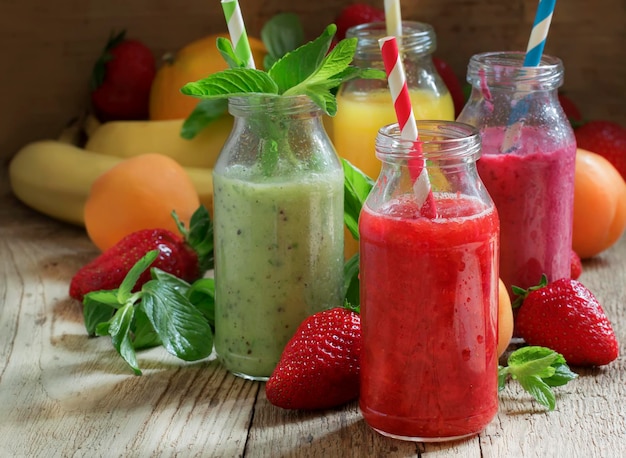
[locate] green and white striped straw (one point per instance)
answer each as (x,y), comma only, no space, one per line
(237,31)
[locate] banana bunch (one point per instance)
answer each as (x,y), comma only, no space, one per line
(54,177)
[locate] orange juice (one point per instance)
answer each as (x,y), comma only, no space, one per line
(359,117)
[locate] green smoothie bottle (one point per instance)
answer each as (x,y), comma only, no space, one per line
(278,217)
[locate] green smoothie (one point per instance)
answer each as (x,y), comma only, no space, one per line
(279,259)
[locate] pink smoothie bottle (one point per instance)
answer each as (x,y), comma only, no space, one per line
(527,162)
(429,288)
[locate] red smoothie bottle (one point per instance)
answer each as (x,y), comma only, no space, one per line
(429,290)
(527,162)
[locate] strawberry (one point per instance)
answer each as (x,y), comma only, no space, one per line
(356,14)
(605,138)
(319,367)
(576,265)
(121,80)
(452,83)
(187,257)
(565,316)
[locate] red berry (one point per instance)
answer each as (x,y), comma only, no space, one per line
(356,14)
(605,138)
(122,79)
(566,317)
(319,367)
(107,271)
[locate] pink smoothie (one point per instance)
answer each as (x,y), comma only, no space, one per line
(533,189)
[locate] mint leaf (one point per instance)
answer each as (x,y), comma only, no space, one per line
(296,66)
(537,369)
(351,281)
(281,34)
(202,296)
(225,47)
(335,63)
(124,292)
(98,307)
(357,187)
(205,112)
(181,327)
(144,335)
(232,82)
(119,330)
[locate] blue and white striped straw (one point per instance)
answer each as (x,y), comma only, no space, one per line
(539,33)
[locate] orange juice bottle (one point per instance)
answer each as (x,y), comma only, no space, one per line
(364,106)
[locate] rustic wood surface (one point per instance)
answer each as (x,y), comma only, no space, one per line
(63,394)
(48,48)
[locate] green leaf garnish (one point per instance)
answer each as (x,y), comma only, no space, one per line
(225,47)
(125,290)
(281,34)
(537,369)
(199,236)
(233,82)
(357,187)
(351,281)
(307,70)
(204,113)
(119,329)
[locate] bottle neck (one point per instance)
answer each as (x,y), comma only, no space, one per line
(417,40)
(274,106)
(504,71)
(440,143)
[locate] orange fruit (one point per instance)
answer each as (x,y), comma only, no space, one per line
(138,193)
(193,62)
(599,204)
(505,318)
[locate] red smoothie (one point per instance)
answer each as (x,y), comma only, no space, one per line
(533,189)
(429,317)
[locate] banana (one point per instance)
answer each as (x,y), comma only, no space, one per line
(131,138)
(55,178)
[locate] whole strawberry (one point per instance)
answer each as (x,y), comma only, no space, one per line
(356,14)
(186,257)
(605,138)
(565,316)
(121,80)
(319,367)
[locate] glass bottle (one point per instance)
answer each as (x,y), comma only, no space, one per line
(527,163)
(429,290)
(365,105)
(278,218)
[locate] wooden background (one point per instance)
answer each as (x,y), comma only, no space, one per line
(48,48)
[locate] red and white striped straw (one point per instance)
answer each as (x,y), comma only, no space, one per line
(396,78)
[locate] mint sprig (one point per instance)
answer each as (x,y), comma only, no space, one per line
(167,311)
(537,369)
(281,34)
(308,70)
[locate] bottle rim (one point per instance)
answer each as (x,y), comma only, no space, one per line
(271,104)
(505,69)
(443,142)
(418,38)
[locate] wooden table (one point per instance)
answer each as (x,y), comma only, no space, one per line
(65,395)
